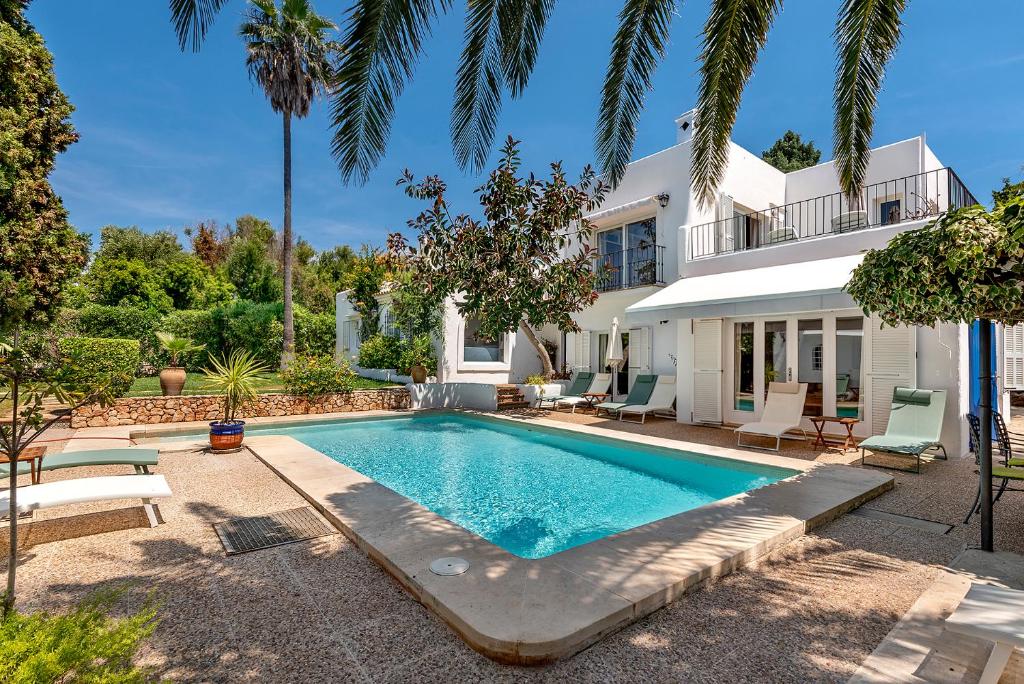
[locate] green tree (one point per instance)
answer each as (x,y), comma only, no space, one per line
(132,244)
(509,268)
(118,281)
(790,153)
(1008,192)
(363,283)
(184,280)
(251,271)
(288,54)
(384,41)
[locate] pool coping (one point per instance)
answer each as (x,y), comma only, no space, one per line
(530,612)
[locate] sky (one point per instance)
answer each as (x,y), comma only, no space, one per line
(170,138)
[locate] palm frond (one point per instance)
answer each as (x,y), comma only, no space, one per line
(867,34)
(734,34)
(383,41)
(638,46)
(192,19)
(478,86)
(521,25)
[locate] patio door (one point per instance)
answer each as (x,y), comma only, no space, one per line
(823,349)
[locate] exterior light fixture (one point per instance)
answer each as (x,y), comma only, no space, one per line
(662,200)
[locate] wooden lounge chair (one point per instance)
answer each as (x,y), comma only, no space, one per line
(915,426)
(783,410)
(643,386)
(580,384)
(993,614)
(1010,470)
(600,384)
(661,400)
(108,488)
(138,458)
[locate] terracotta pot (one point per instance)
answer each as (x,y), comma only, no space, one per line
(172,379)
(419,374)
(225,436)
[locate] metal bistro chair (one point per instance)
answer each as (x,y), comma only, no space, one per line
(1010,470)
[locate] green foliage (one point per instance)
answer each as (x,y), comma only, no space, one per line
(419,351)
(536,380)
(176,346)
(416,311)
(124,322)
(251,327)
(115,281)
(109,362)
(314,333)
(184,280)
(83,645)
(967,264)
(511,269)
(198,326)
(791,153)
(237,376)
(40,253)
(252,272)
(314,376)
(131,244)
(1008,192)
(364,282)
(380,351)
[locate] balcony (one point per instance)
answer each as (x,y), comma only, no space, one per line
(636,267)
(911,198)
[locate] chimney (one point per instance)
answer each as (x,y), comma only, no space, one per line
(685,126)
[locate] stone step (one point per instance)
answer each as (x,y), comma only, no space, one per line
(507,405)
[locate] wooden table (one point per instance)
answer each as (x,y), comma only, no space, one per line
(33,456)
(848,443)
(594,398)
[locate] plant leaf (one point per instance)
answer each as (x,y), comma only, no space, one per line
(192,19)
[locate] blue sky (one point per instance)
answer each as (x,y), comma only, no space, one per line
(171,138)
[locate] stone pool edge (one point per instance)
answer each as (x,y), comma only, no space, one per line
(531,612)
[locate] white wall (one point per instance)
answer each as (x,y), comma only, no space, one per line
(888,162)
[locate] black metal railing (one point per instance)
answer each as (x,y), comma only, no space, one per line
(636,267)
(910,198)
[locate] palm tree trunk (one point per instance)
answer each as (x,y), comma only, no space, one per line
(289,322)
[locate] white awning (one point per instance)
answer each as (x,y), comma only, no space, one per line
(622,208)
(745,292)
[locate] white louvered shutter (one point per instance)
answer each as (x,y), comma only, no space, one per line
(578,346)
(893,364)
(570,351)
(1013,357)
(584,355)
(707,370)
(726,224)
(640,349)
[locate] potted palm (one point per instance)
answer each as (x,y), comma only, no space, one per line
(172,378)
(235,376)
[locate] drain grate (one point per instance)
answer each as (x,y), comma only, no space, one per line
(242,535)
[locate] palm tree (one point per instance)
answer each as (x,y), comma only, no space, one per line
(289,55)
(384,40)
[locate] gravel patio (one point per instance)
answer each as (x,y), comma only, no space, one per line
(321,610)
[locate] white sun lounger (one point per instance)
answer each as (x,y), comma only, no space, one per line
(82,490)
(601,383)
(662,397)
(783,409)
(992,614)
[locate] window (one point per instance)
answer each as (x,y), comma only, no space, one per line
(816,358)
(849,351)
(627,255)
(743,368)
(477,348)
(889,212)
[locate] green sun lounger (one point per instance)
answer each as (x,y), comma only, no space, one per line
(915,425)
(140,459)
(579,385)
(643,386)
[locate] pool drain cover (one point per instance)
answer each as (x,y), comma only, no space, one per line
(449,566)
(241,535)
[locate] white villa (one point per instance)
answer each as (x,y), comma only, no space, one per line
(730,297)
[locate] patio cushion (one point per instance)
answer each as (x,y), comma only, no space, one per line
(901,444)
(1008,473)
(89,457)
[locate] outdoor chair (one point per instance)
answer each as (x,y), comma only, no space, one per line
(108,488)
(140,459)
(639,395)
(1010,470)
(600,385)
(915,426)
(783,411)
(580,384)
(661,401)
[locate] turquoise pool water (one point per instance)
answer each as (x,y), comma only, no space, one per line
(531,492)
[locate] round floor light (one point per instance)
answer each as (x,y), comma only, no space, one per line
(449,566)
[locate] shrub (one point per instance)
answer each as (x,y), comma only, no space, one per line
(198,326)
(104,361)
(381,351)
(419,351)
(314,333)
(536,380)
(121,322)
(313,376)
(84,645)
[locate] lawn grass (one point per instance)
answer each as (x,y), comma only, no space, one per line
(196,383)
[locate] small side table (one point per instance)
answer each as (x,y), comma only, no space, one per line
(594,398)
(848,443)
(33,456)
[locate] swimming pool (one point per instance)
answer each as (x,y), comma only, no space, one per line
(532,492)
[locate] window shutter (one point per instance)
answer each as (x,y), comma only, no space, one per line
(583,358)
(893,364)
(707,370)
(1013,357)
(726,224)
(570,351)
(640,349)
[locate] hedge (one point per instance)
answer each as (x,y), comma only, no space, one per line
(104,361)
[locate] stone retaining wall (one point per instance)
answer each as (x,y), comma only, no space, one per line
(149,410)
